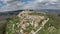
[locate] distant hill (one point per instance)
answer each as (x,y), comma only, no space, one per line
(51,11)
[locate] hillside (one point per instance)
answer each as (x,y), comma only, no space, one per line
(52,26)
(28,22)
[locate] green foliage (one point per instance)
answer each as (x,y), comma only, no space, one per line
(53,21)
(11,26)
(28,29)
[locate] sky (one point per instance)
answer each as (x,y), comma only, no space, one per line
(11,5)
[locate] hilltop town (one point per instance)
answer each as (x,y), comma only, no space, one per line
(29,22)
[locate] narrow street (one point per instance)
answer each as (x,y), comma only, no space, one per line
(43,23)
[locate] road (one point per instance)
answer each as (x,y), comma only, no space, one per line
(43,23)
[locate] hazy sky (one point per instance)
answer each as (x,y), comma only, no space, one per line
(9,5)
